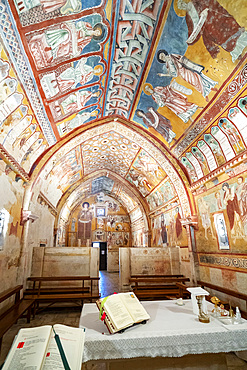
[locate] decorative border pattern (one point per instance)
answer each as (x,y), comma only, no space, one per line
(14,165)
(16,52)
(230,92)
(237,263)
(136,25)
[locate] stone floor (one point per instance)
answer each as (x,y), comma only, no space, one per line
(70,316)
(66,316)
(108,283)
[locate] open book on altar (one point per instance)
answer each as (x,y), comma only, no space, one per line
(120,311)
(38,348)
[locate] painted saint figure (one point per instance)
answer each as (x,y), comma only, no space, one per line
(241,192)
(70,78)
(47,5)
(171,97)
(68,40)
(160,123)
(163,231)
(232,135)
(209,20)
(218,200)
(85,223)
(78,120)
(233,211)
(178,224)
(179,66)
(75,102)
(81,74)
(205,217)
(216,149)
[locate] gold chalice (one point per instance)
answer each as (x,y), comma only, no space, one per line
(215,301)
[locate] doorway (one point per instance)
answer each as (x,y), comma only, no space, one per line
(103,256)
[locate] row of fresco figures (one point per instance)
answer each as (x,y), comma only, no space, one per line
(233,199)
(60,43)
(207,23)
(86,115)
(174,95)
(174,78)
(67,40)
(167,229)
(68,77)
(161,195)
(226,139)
(20,135)
(75,102)
(113,239)
(36,11)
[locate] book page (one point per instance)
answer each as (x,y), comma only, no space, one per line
(28,349)
(72,340)
(118,313)
(135,308)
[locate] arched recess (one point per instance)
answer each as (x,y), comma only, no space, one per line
(132,132)
(71,193)
(85,135)
(74,196)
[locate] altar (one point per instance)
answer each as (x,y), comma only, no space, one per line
(172,331)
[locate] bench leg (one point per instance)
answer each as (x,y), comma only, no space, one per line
(29,310)
(35,307)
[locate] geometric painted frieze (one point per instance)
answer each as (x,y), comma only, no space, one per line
(234,262)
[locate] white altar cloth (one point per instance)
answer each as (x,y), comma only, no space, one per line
(172,331)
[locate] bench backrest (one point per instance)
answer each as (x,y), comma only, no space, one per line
(156,276)
(9,292)
(223,290)
(157,280)
(60,278)
(46,280)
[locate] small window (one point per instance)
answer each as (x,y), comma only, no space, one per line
(100,212)
(95,244)
(4,221)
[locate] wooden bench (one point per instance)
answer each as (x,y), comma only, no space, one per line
(156,276)
(228,292)
(15,309)
(183,292)
(43,289)
(150,287)
(64,290)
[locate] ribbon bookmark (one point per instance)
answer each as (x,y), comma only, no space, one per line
(61,351)
(101,309)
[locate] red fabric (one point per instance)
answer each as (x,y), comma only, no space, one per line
(219,27)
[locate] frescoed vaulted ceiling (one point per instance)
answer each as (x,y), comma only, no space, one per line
(147,92)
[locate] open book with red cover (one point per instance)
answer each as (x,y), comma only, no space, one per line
(120,311)
(36,348)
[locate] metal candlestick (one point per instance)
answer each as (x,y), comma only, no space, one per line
(203,317)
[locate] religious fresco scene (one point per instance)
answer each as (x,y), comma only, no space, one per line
(99,218)
(167,228)
(124,122)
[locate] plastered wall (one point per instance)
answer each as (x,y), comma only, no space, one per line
(154,261)
(11,195)
(61,261)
